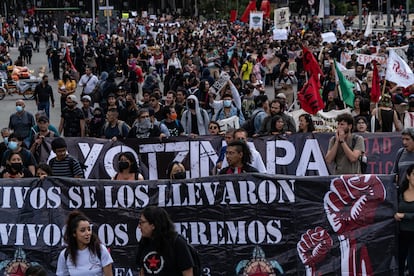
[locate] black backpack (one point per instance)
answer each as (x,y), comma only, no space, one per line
(363,162)
(195,255)
(248,125)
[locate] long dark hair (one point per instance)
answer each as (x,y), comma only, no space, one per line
(308,119)
(405,182)
(133,168)
(72,224)
(164,232)
(273,124)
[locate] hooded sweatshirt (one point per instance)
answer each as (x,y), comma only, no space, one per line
(201,115)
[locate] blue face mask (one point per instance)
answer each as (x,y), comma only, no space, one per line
(12,145)
(227,103)
(6,140)
(19,108)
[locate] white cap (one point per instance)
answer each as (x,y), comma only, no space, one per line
(73,98)
(86,98)
(281,96)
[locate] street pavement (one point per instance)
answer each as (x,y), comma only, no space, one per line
(7,105)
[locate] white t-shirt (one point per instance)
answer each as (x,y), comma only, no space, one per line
(87,263)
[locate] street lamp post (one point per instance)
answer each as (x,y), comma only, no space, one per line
(388,13)
(93,15)
(360,13)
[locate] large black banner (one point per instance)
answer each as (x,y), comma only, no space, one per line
(298,154)
(242,224)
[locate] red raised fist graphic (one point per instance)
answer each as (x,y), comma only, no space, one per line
(313,247)
(350,205)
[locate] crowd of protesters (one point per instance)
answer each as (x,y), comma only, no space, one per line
(153,78)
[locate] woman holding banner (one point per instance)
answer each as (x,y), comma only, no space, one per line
(84,254)
(405,217)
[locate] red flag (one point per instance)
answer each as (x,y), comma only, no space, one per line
(376,89)
(250,7)
(233,15)
(310,64)
(309,97)
(69,59)
(265,7)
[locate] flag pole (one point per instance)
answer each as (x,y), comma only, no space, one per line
(376,108)
(383,88)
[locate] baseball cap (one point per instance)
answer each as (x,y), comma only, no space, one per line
(86,98)
(73,98)
(281,96)
(411,96)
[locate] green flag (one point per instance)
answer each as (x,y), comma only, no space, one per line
(346,88)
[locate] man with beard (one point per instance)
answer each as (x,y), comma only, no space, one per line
(345,148)
(143,128)
(72,121)
(277,108)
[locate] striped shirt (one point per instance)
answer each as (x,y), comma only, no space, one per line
(68,167)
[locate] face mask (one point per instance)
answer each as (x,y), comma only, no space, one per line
(173,116)
(19,108)
(179,175)
(46,82)
(145,124)
(6,140)
(123,165)
(227,103)
(191,105)
(16,166)
(411,103)
(12,145)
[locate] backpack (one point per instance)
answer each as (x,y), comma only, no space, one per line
(248,106)
(195,256)
(249,124)
(72,163)
(363,162)
(120,124)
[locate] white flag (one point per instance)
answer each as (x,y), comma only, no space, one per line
(340,26)
(321,12)
(328,37)
(368,29)
(398,70)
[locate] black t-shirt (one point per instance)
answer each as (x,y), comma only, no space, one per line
(72,117)
(194,123)
(152,263)
(175,128)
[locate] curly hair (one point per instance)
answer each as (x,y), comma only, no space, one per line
(72,224)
